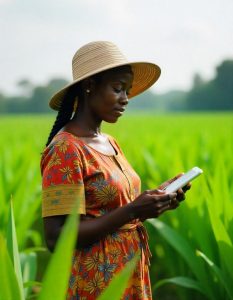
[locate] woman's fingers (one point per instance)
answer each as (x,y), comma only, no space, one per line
(180,195)
(165,201)
(181,192)
(152,203)
(160,194)
(174,203)
(156,192)
(158,201)
(165,197)
(187,187)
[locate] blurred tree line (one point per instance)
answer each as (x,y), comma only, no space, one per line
(33,99)
(215,94)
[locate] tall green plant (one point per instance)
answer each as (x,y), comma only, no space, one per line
(55,281)
(12,246)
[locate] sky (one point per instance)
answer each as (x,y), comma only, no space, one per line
(39,38)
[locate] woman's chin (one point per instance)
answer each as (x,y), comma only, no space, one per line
(112,119)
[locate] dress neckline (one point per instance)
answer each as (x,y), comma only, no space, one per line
(87,145)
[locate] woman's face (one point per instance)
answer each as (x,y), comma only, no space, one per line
(109,96)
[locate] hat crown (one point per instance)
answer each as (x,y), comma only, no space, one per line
(95,57)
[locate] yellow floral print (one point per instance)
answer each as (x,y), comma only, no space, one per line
(106,194)
(67,173)
(95,284)
(115,254)
(92,261)
(62,145)
(54,161)
(76,163)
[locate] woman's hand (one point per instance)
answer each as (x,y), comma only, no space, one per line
(152,203)
(181,192)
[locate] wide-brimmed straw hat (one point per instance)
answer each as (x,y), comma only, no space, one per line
(96,57)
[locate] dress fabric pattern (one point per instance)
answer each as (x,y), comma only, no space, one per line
(74,171)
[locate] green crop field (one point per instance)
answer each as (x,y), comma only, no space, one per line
(192,247)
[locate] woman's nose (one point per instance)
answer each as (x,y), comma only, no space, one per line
(124,98)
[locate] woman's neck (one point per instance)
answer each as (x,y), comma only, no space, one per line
(83,125)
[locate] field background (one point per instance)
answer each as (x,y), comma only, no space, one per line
(192,244)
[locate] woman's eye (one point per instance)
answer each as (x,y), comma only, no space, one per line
(117,90)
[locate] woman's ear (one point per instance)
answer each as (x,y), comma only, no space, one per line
(88,85)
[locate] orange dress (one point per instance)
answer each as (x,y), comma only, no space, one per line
(74,171)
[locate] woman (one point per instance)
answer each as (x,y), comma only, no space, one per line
(80,163)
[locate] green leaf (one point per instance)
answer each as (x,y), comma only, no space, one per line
(186,251)
(12,246)
(223,239)
(220,275)
(29,268)
(181,281)
(9,288)
(119,283)
(55,281)
(35,249)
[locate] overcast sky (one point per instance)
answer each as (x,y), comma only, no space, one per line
(39,37)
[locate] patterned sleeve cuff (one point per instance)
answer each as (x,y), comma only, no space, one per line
(60,199)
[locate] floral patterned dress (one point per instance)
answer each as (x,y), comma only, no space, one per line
(74,171)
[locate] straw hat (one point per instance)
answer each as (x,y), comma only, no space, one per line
(96,57)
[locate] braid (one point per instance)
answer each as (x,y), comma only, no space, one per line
(64,114)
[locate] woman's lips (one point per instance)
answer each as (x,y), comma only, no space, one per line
(121,109)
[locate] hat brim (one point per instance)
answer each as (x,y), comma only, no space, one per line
(145,75)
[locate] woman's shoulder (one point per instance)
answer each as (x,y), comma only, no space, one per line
(61,141)
(65,139)
(64,145)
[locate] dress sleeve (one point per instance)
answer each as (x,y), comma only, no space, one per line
(62,179)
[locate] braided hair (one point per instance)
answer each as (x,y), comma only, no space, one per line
(65,112)
(67,106)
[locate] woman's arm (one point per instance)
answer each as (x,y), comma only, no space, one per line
(90,229)
(149,204)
